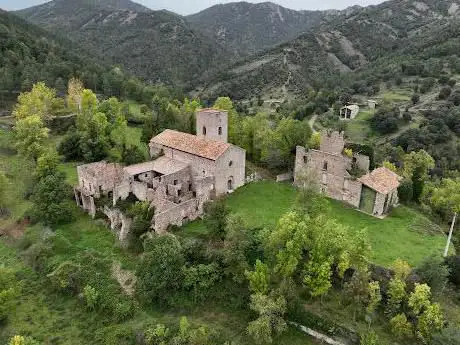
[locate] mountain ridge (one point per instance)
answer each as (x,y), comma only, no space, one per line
(172,54)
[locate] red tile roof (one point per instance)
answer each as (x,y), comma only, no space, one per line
(382,180)
(210,149)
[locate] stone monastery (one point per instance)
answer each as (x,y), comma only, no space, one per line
(347,178)
(185,172)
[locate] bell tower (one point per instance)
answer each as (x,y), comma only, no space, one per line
(212,124)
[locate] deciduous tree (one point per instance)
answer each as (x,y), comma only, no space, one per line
(31,136)
(400,326)
(396,295)
(160,272)
(270,322)
(259,279)
(430,322)
(38,102)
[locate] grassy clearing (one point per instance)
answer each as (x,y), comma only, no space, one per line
(397,236)
(358,130)
(393,237)
(396,95)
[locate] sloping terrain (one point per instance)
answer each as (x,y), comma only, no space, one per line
(158,46)
(356,40)
(246,28)
(29,54)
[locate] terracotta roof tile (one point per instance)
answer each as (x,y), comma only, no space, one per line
(210,149)
(382,180)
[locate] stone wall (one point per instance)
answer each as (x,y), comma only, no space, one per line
(177,215)
(200,166)
(331,170)
(212,124)
(231,166)
(352,192)
(379,205)
(300,162)
(119,223)
(332,142)
(99,178)
(362,161)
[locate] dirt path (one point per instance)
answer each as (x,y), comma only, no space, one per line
(14,230)
(312,121)
(125,278)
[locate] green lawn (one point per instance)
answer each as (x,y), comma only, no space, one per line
(396,236)
(403,234)
(397,95)
(358,129)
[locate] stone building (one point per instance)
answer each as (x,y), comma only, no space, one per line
(349,112)
(346,178)
(189,170)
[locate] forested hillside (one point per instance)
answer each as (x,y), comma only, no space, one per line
(352,41)
(244,28)
(157,46)
(30,54)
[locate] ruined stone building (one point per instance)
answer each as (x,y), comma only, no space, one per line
(189,170)
(347,178)
(349,112)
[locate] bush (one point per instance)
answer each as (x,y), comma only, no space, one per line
(69,147)
(215,217)
(400,326)
(385,121)
(415,98)
(453,262)
(407,117)
(369,338)
(434,272)
(448,336)
(406,191)
(444,93)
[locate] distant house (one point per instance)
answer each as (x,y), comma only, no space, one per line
(349,112)
(371,104)
(347,178)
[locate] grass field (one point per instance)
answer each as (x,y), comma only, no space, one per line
(358,129)
(400,235)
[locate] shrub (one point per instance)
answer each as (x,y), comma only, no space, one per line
(406,191)
(415,98)
(445,92)
(407,117)
(400,326)
(215,217)
(435,273)
(385,121)
(448,336)
(453,262)
(69,147)
(369,338)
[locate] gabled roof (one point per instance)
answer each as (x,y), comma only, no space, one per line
(382,180)
(209,149)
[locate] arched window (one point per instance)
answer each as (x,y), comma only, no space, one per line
(204,130)
(325,166)
(220,130)
(230,163)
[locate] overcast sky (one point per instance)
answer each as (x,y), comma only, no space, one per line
(192,6)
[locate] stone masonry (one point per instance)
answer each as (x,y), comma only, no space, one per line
(331,170)
(189,171)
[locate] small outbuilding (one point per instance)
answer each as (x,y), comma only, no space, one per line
(372,104)
(349,112)
(379,192)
